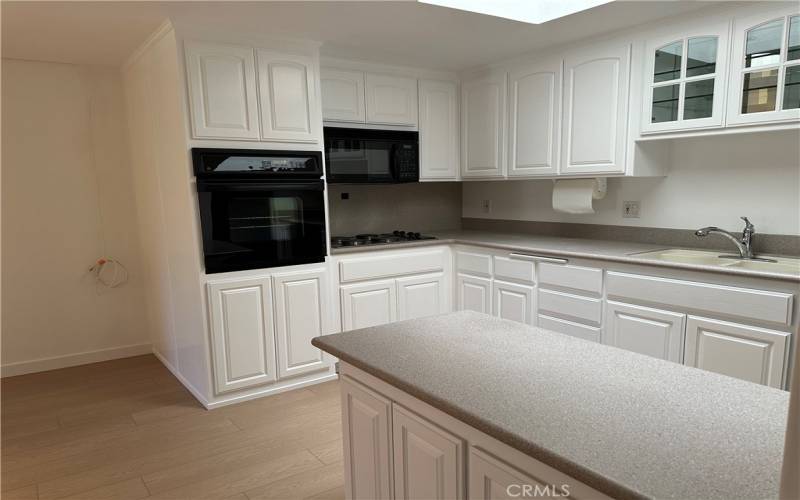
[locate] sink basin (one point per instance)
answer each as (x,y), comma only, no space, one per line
(784,265)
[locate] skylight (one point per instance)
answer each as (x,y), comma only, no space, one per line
(527,11)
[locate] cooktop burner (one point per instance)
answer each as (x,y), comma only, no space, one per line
(378,239)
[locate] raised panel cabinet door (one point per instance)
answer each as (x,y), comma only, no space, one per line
(493,479)
(391,100)
(513,301)
(287,96)
(242,337)
(343,95)
(535,120)
(474,294)
(483,127)
(645,330)
(438,130)
(746,352)
(368,304)
(428,461)
(595,110)
(366,432)
(300,311)
(420,296)
(222,91)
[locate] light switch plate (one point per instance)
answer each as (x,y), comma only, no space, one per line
(630,209)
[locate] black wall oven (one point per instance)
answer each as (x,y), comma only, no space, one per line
(354,155)
(260,209)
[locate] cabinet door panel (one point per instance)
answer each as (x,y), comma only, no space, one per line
(428,461)
(570,328)
(745,352)
(343,95)
(513,301)
(287,97)
(474,294)
(492,479)
(438,130)
(420,296)
(300,312)
(483,122)
(391,99)
(366,422)
(222,89)
(368,304)
(645,330)
(242,338)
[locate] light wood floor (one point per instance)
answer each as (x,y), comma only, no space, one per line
(127,429)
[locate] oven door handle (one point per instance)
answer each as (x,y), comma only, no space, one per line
(206,186)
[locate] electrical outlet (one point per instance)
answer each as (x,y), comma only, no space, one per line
(486,205)
(630,209)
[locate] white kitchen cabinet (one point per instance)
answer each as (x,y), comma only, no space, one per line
(438,130)
(653,332)
(300,315)
(391,100)
(492,479)
(420,296)
(287,97)
(571,328)
(428,460)
(483,126)
(534,119)
(765,68)
(474,294)
(242,335)
(368,304)
(746,352)
(366,423)
(595,119)
(343,95)
(222,91)
(513,301)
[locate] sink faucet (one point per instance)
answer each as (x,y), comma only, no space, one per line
(743,244)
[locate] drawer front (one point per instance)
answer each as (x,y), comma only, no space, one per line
(393,264)
(721,299)
(585,279)
(514,270)
(474,263)
(570,328)
(568,306)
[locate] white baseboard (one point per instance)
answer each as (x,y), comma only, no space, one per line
(270,390)
(81,358)
(189,387)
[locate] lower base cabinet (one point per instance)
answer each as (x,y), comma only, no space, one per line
(368,304)
(513,301)
(474,294)
(492,479)
(645,330)
(421,296)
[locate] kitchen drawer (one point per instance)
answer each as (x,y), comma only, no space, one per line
(720,299)
(474,263)
(391,264)
(570,328)
(585,279)
(568,306)
(514,270)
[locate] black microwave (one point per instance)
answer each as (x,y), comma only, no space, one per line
(354,155)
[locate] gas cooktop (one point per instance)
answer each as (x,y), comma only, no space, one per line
(377,239)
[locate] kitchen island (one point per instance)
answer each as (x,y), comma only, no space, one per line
(466,404)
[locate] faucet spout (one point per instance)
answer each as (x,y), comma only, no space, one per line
(743,244)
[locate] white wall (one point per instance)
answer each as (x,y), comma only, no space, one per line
(66,200)
(712,181)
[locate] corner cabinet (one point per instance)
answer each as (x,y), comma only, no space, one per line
(596,83)
(483,126)
(438,130)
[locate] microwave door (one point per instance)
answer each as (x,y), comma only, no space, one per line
(359,160)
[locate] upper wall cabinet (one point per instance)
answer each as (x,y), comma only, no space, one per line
(343,95)
(595,119)
(483,126)
(438,130)
(765,69)
(685,80)
(535,119)
(287,97)
(391,100)
(222,89)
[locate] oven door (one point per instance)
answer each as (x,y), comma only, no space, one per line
(254,225)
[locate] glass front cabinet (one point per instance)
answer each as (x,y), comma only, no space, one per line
(765,73)
(685,80)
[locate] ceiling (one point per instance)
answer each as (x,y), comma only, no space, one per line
(392,32)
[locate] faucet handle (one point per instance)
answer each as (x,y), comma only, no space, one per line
(747,223)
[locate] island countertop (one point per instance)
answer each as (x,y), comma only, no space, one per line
(628,425)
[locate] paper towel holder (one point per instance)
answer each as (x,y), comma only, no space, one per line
(600,187)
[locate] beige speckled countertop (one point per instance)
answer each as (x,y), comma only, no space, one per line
(617,251)
(628,425)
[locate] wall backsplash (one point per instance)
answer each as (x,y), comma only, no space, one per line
(376,208)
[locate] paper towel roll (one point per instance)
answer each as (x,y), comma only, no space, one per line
(574,196)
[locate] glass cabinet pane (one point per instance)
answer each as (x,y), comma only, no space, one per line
(665,103)
(698,101)
(791,88)
(759,91)
(668,62)
(763,46)
(701,56)
(794,39)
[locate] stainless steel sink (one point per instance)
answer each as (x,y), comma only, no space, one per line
(784,265)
